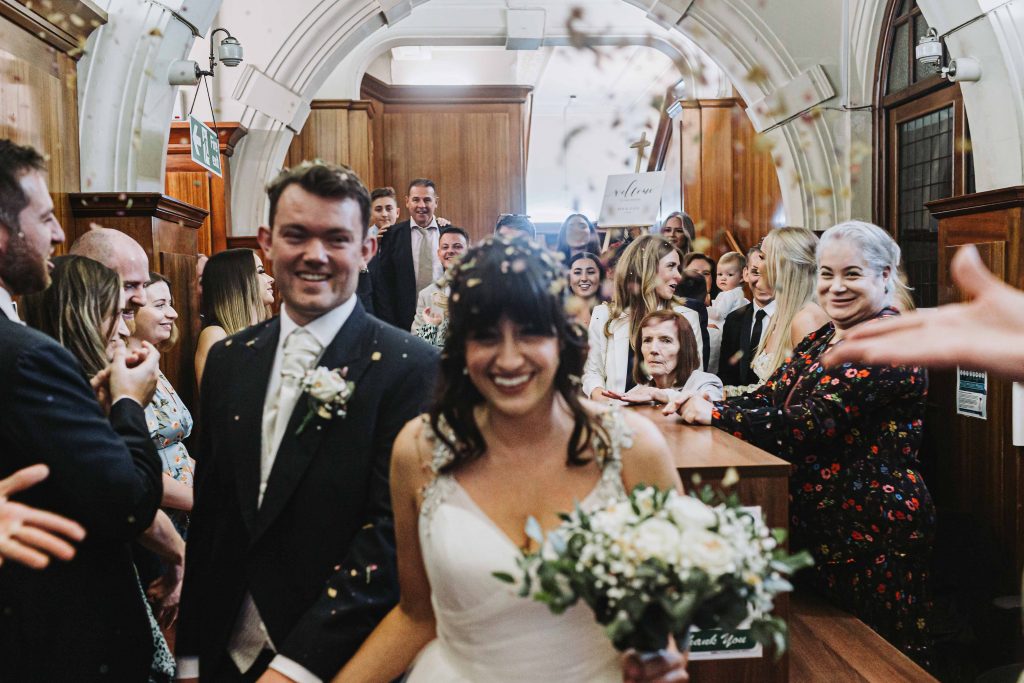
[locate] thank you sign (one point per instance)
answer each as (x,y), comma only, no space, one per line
(205,146)
(632,199)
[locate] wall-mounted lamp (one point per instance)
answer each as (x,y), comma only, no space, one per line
(929,54)
(187,72)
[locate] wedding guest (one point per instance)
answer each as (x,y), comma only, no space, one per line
(744,329)
(789,272)
(852,433)
(515,224)
(692,289)
(103,470)
(697,263)
(167,417)
(645,280)
(431,321)
(122,254)
(577,235)
(82,309)
(986,333)
(237,293)
(201,260)
(668,361)
(678,229)
(383,209)
(507,409)
(730,271)
(586,281)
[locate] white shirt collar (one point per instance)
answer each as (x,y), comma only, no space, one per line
(324,328)
(769,310)
(432,224)
(7,304)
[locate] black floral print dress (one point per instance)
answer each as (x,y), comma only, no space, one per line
(857,501)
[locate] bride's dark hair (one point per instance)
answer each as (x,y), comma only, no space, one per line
(518,280)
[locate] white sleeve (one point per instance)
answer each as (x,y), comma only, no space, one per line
(187,667)
(294,670)
(422,301)
(593,369)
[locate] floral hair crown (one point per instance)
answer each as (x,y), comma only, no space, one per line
(517,252)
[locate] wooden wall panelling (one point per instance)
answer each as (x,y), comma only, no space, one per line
(729,179)
(167,229)
(470,140)
(979,474)
(39,107)
(338,131)
(192,184)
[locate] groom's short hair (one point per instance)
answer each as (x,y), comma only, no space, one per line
(329,181)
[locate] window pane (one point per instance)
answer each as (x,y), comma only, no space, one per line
(925,159)
(899,69)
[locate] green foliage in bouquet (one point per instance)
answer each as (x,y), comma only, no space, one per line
(661,562)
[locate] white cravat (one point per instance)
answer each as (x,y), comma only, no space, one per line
(300,352)
(7,305)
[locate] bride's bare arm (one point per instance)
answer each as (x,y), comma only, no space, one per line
(648,461)
(407,628)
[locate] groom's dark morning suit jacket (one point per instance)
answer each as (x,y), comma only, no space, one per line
(318,556)
(82,620)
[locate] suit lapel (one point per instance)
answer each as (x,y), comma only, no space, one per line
(748,353)
(349,349)
(248,424)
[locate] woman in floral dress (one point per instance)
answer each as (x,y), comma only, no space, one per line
(852,432)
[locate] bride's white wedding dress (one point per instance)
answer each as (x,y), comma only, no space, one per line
(486,632)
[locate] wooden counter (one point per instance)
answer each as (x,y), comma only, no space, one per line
(707,453)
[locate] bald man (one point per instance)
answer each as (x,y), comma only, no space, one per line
(119,252)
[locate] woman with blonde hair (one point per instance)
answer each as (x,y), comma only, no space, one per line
(790,271)
(645,280)
(237,293)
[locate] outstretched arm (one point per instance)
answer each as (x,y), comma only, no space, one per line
(32,536)
(985,334)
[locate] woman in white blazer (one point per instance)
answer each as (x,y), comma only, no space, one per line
(645,280)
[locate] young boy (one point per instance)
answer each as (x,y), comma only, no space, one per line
(730,271)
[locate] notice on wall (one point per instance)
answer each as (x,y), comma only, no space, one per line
(631,199)
(972,393)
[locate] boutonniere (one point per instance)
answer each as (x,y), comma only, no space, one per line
(328,393)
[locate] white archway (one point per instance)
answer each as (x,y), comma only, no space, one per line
(773,82)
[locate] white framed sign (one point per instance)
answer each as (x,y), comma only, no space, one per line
(631,199)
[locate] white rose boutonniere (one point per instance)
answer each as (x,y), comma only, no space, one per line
(328,393)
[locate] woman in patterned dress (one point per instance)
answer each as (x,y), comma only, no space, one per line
(508,438)
(852,432)
(168,419)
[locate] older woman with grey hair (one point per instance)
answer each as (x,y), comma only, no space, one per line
(851,432)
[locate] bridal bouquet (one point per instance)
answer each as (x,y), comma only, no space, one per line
(660,562)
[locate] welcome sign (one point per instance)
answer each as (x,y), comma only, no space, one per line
(631,199)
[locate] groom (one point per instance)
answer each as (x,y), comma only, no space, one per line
(291,551)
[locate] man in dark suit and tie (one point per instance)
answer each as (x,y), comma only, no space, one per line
(82,620)
(745,327)
(408,259)
(291,559)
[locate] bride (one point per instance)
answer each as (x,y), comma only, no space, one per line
(508,438)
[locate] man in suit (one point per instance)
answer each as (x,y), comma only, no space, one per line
(291,559)
(82,620)
(745,327)
(408,259)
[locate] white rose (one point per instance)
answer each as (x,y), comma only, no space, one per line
(656,538)
(687,512)
(612,519)
(325,385)
(707,551)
